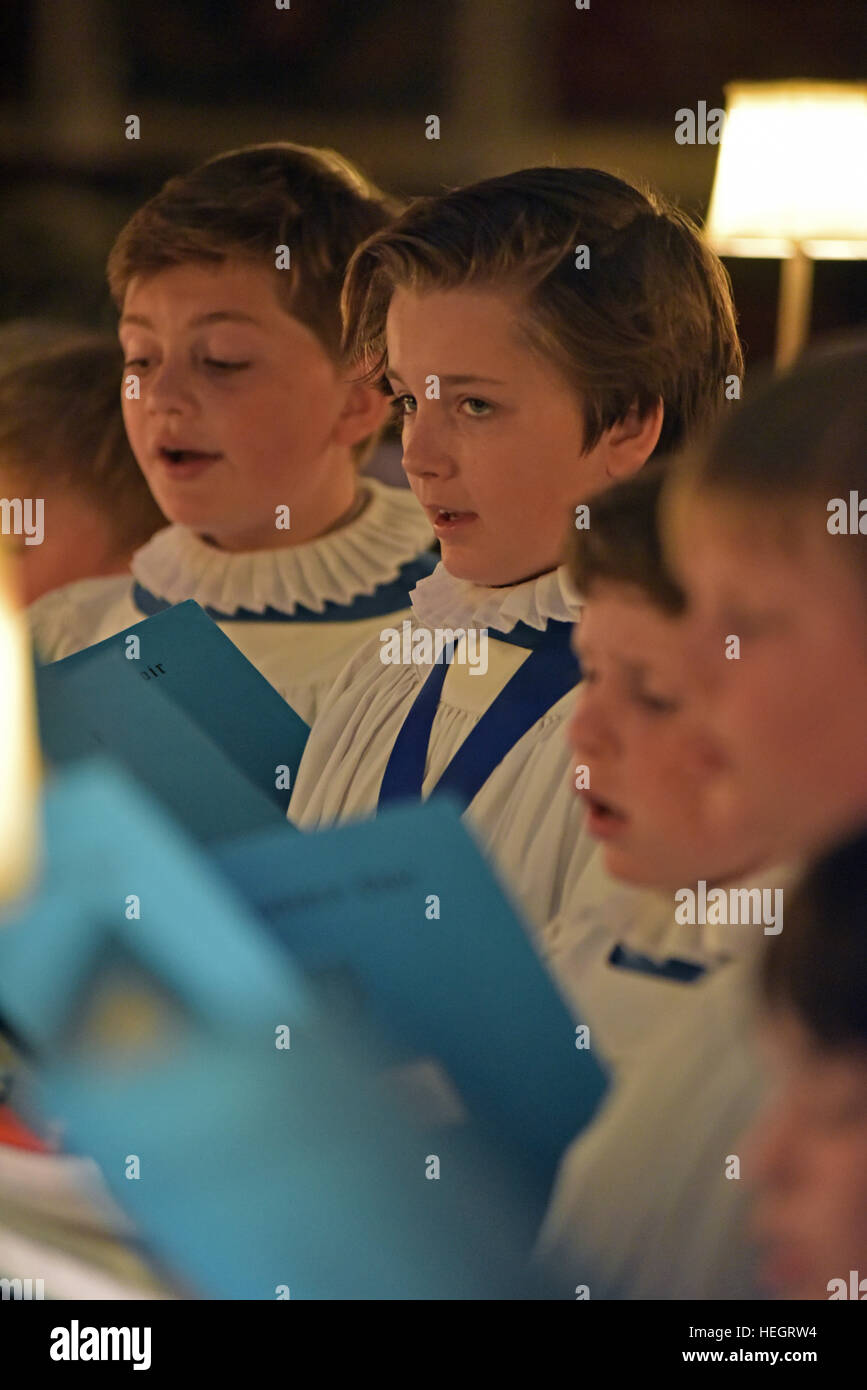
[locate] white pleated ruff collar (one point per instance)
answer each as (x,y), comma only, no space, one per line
(176,564)
(440,600)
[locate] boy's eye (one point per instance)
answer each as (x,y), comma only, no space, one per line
(738,623)
(226,366)
(478,407)
(746,625)
(403,405)
(657,704)
(136,362)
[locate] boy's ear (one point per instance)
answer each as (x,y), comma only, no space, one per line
(629,443)
(364,411)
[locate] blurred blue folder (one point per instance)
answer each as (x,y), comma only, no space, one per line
(153,1001)
(407,907)
(189,716)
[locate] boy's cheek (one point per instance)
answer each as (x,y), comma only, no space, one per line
(737,694)
(133,421)
(705,666)
(726,808)
(699,750)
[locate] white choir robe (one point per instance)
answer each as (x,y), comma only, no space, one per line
(643,1207)
(624,1006)
(526,814)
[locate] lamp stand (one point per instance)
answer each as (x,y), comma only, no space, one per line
(793,316)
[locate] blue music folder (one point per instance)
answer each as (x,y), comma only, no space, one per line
(175,702)
(252,1136)
(403,915)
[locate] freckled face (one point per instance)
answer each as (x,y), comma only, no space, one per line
(239,404)
(496,460)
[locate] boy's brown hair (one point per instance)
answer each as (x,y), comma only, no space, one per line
(622,543)
(650,317)
(818,967)
(61,423)
(245,204)
(795,444)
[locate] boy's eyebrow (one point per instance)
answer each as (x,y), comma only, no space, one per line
(465,380)
(217,316)
(451,380)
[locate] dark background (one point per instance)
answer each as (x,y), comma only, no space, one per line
(514,82)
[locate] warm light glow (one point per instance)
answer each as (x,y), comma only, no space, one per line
(19,759)
(791,171)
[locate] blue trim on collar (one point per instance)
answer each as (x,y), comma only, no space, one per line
(555,634)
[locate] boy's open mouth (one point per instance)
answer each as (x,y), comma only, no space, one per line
(447,520)
(602,817)
(176,456)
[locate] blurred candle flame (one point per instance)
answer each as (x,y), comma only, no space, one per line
(20,769)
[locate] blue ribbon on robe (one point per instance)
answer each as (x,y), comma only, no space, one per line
(549,672)
(386,598)
(683,972)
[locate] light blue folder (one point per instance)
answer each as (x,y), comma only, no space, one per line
(191,718)
(409,909)
(153,1001)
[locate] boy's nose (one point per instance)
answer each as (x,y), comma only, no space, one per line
(425,453)
(167,389)
(589,729)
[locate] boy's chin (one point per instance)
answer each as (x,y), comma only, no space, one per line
(180,512)
(207,527)
(646,871)
(488,573)
(215,524)
(223,534)
(629,868)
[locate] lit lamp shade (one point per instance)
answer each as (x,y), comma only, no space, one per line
(790,173)
(20,769)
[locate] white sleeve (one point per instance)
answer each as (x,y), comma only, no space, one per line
(646,1204)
